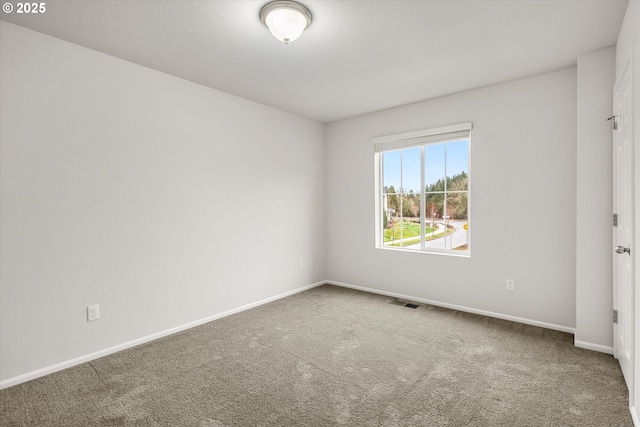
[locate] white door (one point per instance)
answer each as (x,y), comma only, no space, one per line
(623,206)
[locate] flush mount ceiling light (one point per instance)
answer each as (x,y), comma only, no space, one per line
(285,19)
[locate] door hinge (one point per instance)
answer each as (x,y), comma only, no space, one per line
(615,220)
(615,316)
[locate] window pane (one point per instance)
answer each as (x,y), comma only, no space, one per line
(411,220)
(411,206)
(434,205)
(391,170)
(410,231)
(391,185)
(391,203)
(434,167)
(458,165)
(403,231)
(392,234)
(457,211)
(457,205)
(434,221)
(411,165)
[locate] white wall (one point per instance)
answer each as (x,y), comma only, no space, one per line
(523,202)
(161,200)
(594,291)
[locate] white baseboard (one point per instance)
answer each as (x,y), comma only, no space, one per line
(107,351)
(101,353)
(634,416)
(594,347)
(458,307)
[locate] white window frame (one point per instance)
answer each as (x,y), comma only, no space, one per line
(419,138)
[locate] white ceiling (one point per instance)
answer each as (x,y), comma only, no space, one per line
(356,57)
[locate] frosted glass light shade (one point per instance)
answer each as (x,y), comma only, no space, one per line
(285,19)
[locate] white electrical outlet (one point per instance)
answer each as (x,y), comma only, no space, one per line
(93,312)
(301,264)
(511,285)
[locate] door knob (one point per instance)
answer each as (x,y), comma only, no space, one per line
(622,249)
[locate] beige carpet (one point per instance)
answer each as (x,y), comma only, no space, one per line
(333,356)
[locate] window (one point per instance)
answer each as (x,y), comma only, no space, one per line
(422,190)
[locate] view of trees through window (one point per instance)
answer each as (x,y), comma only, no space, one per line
(441,206)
